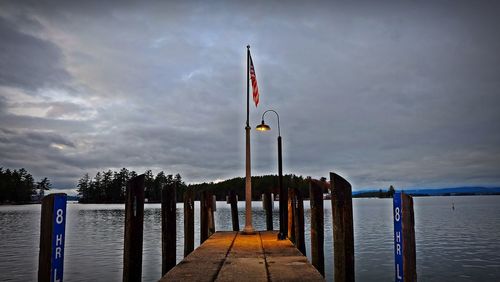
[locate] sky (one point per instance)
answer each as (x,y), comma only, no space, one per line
(402,93)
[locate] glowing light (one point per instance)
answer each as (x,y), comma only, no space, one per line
(263,127)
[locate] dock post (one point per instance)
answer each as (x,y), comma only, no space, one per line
(404,238)
(291,210)
(299,222)
(168,227)
(343,232)
(317,225)
(134,219)
(211,208)
(268,207)
(234,210)
(52,238)
(188,221)
(214,203)
(203,216)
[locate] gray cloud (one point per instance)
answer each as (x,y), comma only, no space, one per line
(402,93)
(28,62)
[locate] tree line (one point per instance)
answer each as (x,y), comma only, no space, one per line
(376,194)
(110,186)
(260,184)
(19,186)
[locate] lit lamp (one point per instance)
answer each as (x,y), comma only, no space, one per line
(283,191)
(263,127)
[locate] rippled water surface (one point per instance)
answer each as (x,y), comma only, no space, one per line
(452,245)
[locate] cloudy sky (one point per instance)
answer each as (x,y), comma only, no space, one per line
(383,92)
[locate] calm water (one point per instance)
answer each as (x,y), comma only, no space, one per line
(459,245)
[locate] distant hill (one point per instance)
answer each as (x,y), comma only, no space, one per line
(456,191)
(73,198)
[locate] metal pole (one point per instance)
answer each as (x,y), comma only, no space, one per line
(248,90)
(283,196)
(248,183)
(283,190)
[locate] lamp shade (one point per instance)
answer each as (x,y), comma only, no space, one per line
(263,127)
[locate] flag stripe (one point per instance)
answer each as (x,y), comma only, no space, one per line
(255,88)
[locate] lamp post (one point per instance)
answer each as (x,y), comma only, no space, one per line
(283,190)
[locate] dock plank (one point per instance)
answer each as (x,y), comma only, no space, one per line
(230,256)
(245,260)
(204,263)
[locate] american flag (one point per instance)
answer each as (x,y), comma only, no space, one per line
(255,88)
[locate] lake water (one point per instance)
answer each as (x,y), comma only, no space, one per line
(452,245)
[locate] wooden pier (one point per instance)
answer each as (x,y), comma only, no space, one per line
(230,256)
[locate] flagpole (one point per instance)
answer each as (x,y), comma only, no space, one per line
(248,88)
(248,178)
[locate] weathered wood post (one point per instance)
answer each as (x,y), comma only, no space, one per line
(268,207)
(317,225)
(168,227)
(343,232)
(203,216)
(211,208)
(188,221)
(134,219)
(52,238)
(299,222)
(291,216)
(234,210)
(404,238)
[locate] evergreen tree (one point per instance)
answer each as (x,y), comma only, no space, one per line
(391,191)
(17,186)
(159,182)
(84,188)
(42,186)
(96,187)
(123,177)
(149,180)
(3,186)
(107,188)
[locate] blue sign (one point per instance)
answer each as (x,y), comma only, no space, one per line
(398,236)
(58,236)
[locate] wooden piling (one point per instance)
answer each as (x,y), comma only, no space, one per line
(134,219)
(409,251)
(299,222)
(211,219)
(204,216)
(317,225)
(343,232)
(291,210)
(168,227)
(52,237)
(268,208)
(188,221)
(234,210)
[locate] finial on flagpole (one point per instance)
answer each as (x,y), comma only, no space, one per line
(248,46)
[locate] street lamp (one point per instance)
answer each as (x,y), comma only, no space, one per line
(283,191)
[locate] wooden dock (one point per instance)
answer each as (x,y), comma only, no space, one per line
(230,256)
